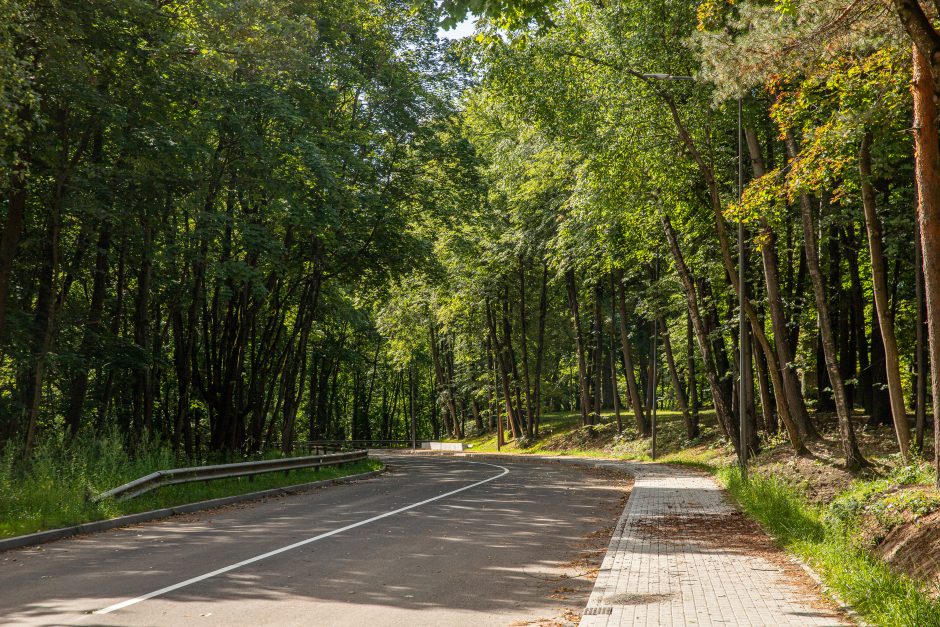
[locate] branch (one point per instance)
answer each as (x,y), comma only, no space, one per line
(919,28)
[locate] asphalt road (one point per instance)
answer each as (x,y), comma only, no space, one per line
(437,541)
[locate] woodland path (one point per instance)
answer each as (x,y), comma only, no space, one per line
(682,555)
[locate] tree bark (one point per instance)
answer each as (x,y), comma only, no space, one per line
(793,423)
(880,289)
(642,425)
(572,287)
(143,390)
(766,402)
(722,411)
(794,398)
(78,384)
(442,382)
(927,177)
(12,230)
(501,360)
(540,346)
(853,456)
(613,357)
(690,374)
(920,383)
(691,430)
(598,356)
(523,328)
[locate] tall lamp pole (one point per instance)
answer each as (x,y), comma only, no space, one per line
(743,339)
(653,382)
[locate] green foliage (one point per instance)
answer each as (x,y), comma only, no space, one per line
(869,586)
(891,501)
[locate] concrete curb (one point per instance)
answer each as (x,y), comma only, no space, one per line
(829,592)
(51,535)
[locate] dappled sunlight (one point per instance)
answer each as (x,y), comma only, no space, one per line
(523,535)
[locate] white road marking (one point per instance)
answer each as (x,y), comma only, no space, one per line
(258,558)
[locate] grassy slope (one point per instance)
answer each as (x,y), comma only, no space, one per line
(816,511)
(52,492)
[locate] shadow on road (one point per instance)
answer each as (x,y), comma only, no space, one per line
(522,547)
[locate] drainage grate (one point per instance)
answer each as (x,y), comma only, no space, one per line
(598,609)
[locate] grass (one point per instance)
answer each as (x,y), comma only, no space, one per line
(810,532)
(51,490)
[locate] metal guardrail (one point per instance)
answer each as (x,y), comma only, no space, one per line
(173,476)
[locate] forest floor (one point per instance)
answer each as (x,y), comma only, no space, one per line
(873,536)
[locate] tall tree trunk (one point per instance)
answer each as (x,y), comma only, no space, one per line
(791,386)
(540,346)
(42,326)
(572,286)
(442,382)
(78,384)
(413,404)
(927,170)
(512,367)
(613,357)
(793,423)
(865,385)
(920,351)
(642,425)
(722,410)
(598,356)
(766,402)
(12,231)
(143,390)
(691,430)
(692,384)
(524,344)
(501,361)
(880,289)
(853,456)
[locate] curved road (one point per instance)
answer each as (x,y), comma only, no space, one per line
(436,541)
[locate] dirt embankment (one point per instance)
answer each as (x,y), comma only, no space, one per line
(893,513)
(914,549)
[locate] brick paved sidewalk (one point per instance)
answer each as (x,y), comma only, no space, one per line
(670,577)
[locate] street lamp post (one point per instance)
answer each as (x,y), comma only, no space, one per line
(653,383)
(743,339)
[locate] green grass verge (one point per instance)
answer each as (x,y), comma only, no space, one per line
(50,491)
(868,585)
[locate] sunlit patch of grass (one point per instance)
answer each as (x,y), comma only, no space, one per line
(51,490)
(868,585)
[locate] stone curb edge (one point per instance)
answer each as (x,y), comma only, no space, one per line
(829,592)
(51,535)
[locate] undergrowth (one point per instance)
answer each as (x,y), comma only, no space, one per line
(824,540)
(52,488)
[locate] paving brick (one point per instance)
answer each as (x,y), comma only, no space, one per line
(679,581)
